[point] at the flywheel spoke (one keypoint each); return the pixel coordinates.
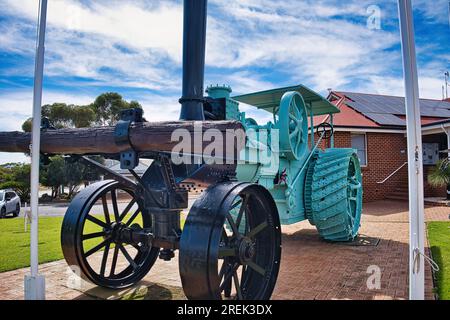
(242, 210)
(96, 248)
(236, 204)
(237, 285)
(257, 229)
(92, 235)
(228, 276)
(105, 209)
(127, 208)
(114, 261)
(127, 256)
(257, 268)
(97, 221)
(114, 202)
(226, 252)
(233, 226)
(135, 214)
(294, 133)
(104, 259)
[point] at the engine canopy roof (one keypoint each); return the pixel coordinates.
(269, 100)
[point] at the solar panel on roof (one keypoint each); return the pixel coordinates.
(378, 104)
(386, 119)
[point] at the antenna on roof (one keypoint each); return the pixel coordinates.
(446, 76)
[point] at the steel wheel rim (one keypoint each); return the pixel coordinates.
(224, 267)
(138, 266)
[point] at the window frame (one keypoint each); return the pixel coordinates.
(365, 146)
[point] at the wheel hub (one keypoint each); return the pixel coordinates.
(114, 232)
(246, 250)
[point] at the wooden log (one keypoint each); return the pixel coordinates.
(144, 137)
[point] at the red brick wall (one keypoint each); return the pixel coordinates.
(385, 153)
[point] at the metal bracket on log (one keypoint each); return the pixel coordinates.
(129, 158)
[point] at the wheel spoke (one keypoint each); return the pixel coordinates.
(294, 133)
(227, 277)
(114, 202)
(257, 268)
(97, 221)
(92, 235)
(114, 261)
(233, 226)
(225, 236)
(127, 256)
(223, 269)
(105, 209)
(127, 208)
(257, 229)
(242, 210)
(135, 214)
(226, 252)
(104, 259)
(236, 204)
(237, 285)
(96, 248)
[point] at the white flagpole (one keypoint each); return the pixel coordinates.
(35, 283)
(415, 163)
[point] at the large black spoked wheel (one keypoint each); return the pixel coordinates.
(94, 236)
(231, 244)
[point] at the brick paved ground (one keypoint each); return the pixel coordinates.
(310, 268)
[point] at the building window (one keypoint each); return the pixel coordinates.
(359, 142)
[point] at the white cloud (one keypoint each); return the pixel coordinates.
(138, 43)
(128, 22)
(252, 45)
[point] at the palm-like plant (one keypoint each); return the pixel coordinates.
(439, 176)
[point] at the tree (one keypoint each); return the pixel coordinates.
(53, 175)
(83, 116)
(16, 176)
(61, 172)
(62, 115)
(105, 110)
(107, 107)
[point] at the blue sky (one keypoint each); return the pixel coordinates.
(134, 48)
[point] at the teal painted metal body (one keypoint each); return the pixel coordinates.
(323, 186)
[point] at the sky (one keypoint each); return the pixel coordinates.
(135, 48)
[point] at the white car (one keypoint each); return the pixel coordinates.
(9, 203)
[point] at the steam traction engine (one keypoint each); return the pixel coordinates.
(230, 243)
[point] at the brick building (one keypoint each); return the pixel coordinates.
(375, 126)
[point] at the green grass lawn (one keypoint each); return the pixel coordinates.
(439, 237)
(15, 242)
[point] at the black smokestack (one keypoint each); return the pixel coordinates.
(194, 43)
